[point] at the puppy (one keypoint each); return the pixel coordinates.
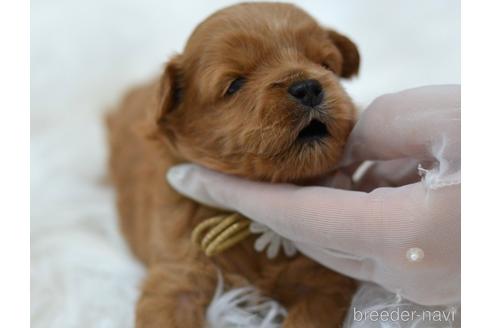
(256, 93)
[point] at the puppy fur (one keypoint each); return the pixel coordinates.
(191, 115)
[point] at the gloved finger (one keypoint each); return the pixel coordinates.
(292, 211)
(420, 123)
(351, 169)
(352, 266)
(392, 173)
(338, 219)
(338, 179)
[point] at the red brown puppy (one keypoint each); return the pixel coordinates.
(255, 93)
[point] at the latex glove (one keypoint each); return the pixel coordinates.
(406, 237)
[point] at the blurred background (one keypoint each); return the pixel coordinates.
(84, 54)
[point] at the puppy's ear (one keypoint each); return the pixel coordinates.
(350, 54)
(170, 89)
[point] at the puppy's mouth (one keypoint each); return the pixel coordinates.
(315, 130)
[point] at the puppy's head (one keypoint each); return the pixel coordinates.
(256, 93)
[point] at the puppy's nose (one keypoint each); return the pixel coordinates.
(307, 92)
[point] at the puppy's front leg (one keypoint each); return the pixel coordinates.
(176, 295)
(317, 310)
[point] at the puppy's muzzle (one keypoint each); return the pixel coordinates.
(307, 92)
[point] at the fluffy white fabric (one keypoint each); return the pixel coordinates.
(271, 241)
(243, 308)
(81, 272)
(85, 53)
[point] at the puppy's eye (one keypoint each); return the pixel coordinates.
(235, 85)
(327, 66)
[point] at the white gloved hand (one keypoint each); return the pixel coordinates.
(402, 231)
